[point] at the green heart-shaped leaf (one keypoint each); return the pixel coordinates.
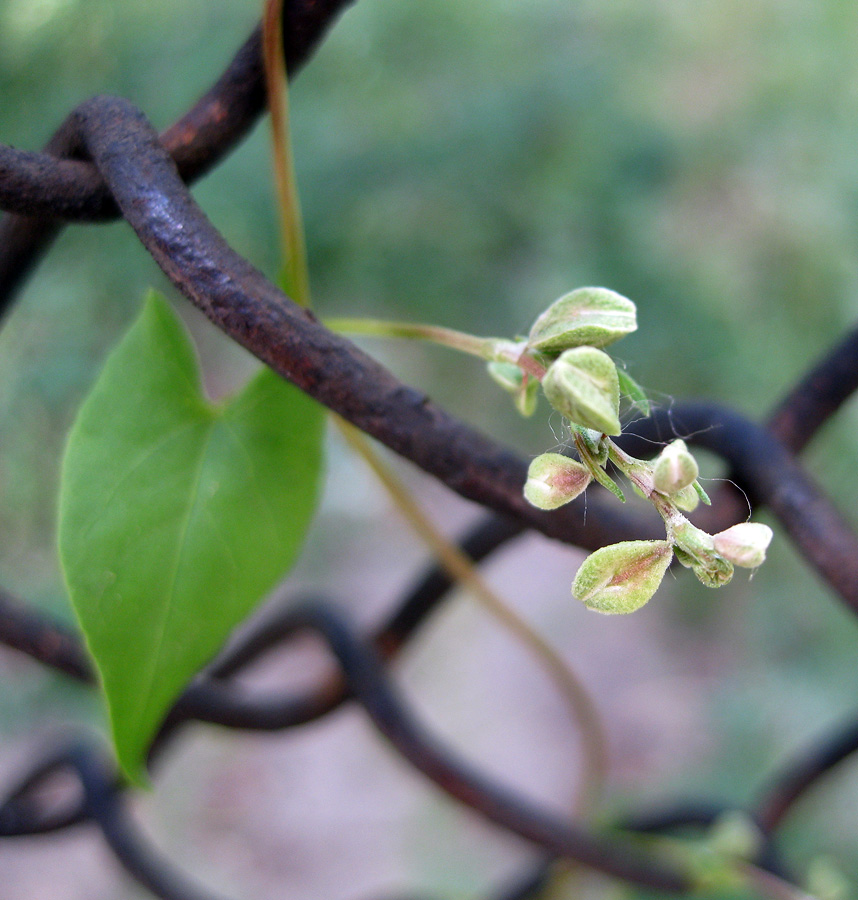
(177, 516)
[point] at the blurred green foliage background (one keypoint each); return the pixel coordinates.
(465, 163)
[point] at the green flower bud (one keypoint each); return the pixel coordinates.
(674, 469)
(590, 316)
(527, 398)
(693, 540)
(595, 444)
(744, 544)
(553, 480)
(714, 572)
(734, 834)
(582, 384)
(683, 558)
(696, 549)
(510, 377)
(507, 375)
(687, 499)
(621, 578)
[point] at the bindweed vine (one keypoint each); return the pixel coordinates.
(564, 354)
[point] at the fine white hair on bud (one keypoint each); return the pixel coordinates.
(744, 544)
(553, 480)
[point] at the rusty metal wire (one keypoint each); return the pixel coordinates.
(71, 190)
(106, 161)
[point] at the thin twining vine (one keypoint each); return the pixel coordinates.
(564, 354)
(296, 283)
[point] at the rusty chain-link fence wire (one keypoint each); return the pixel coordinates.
(106, 161)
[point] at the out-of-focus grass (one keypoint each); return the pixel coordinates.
(465, 163)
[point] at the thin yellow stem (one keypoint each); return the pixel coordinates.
(462, 570)
(456, 563)
(295, 277)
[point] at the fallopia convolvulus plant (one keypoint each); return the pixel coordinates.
(564, 354)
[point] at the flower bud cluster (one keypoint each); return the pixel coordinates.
(582, 382)
(622, 577)
(564, 351)
(695, 549)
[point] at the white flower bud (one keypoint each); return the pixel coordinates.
(674, 469)
(590, 316)
(553, 480)
(621, 578)
(744, 544)
(582, 384)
